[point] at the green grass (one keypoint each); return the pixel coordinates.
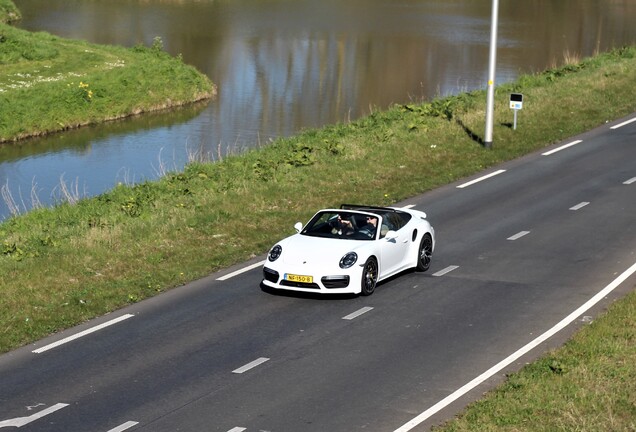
(8, 11)
(49, 84)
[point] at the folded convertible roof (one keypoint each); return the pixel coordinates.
(366, 207)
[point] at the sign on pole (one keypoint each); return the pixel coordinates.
(516, 103)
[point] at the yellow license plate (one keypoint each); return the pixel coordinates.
(298, 278)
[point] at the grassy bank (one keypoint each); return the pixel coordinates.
(64, 265)
(49, 84)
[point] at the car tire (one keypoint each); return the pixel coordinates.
(369, 277)
(425, 253)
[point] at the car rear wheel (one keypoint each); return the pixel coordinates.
(369, 277)
(425, 254)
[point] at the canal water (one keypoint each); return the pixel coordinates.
(286, 65)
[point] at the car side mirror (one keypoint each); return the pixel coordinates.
(391, 235)
(298, 227)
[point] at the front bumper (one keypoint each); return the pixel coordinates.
(334, 284)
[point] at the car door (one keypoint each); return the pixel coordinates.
(393, 250)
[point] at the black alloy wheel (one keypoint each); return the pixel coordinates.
(369, 277)
(425, 254)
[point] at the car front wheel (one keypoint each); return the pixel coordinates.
(369, 277)
(425, 254)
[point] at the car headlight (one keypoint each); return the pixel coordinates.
(274, 253)
(348, 260)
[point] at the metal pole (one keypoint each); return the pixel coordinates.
(490, 102)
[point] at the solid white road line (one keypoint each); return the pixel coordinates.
(240, 271)
(81, 334)
(516, 355)
(250, 365)
(487, 176)
(518, 235)
(357, 313)
(623, 124)
(124, 426)
(630, 181)
(237, 429)
(446, 270)
(563, 147)
(21, 421)
(579, 206)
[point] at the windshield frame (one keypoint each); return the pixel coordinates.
(328, 224)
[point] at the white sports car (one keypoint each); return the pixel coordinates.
(350, 249)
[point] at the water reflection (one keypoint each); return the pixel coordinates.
(284, 65)
(83, 159)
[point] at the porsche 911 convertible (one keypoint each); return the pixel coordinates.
(350, 250)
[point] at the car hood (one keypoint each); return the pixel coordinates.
(300, 249)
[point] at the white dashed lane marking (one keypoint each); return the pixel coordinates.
(81, 334)
(446, 270)
(579, 206)
(125, 426)
(250, 365)
(518, 235)
(623, 124)
(477, 180)
(357, 313)
(240, 271)
(563, 147)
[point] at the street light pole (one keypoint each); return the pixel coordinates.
(490, 100)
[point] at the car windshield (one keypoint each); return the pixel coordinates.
(342, 225)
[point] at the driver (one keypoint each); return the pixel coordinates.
(370, 227)
(343, 226)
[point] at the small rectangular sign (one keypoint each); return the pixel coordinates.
(516, 101)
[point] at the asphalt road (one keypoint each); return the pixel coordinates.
(520, 248)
